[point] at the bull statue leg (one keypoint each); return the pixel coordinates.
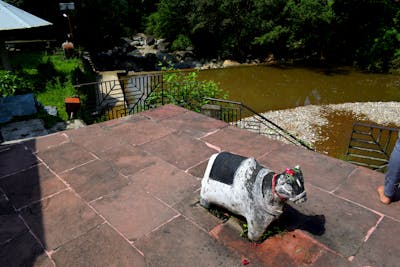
(256, 226)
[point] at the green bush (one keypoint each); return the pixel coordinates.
(181, 43)
(12, 83)
(185, 90)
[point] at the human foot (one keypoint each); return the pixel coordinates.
(384, 199)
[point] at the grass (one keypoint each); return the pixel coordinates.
(55, 95)
(51, 78)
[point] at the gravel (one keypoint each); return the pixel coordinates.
(306, 122)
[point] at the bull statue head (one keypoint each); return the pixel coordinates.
(289, 185)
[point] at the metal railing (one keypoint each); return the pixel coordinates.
(122, 97)
(371, 145)
(245, 117)
(117, 98)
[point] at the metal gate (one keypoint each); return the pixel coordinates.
(371, 145)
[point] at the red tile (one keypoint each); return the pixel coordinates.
(23, 251)
(139, 131)
(46, 142)
(31, 185)
(191, 209)
(338, 224)
(163, 112)
(101, 246)
(14, 158)
(128, 159)
(180, 150)
(166, 182)
(193, 123)
(382, 247)
(93, 138)
(198, 170)
(181, 243)
(361, 188)
(11, 224)
(286, 249)
(94, 179)
(133, 212)
(60, 219)
(65, 157)
(242, 142)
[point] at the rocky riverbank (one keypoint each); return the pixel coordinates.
(145, 53)
(317, 124)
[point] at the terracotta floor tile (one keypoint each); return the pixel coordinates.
(164, 112)
(60, 218)
(190, 208)
(133, 212)
(180, 150)
(166, 182)
(128, 159)
(137, 133)
(382, 247)
(65, 157)
(46, 142)
(23, 251)
(11, 225)
(94, 139)
(14, 158)
(101, 246)
(195, 124)
(242, 142)
(180, 243)
(286, 249)
(338, 224)
(31, 185)
(361, 188)
(94, 179)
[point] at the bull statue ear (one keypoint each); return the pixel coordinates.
(297, 167)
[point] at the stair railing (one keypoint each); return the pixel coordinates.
(234, 112)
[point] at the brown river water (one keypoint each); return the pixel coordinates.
(266, 88)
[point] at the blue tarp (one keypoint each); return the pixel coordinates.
(19, 105)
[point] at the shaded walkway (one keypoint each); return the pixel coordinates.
(125, 193)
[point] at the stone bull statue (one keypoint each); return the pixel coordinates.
(246, 188)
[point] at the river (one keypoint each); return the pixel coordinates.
(265, 87)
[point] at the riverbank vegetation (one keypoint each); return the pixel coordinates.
(360, 33)
(364, 33)
(50, 78)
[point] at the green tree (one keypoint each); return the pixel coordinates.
(170, 19)
(300, 29)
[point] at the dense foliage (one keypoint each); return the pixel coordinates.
(361, 32)
(49, 77)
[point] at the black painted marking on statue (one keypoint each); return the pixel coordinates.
(225, 166)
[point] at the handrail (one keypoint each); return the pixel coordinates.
(371, 145)
(286, 135)
(146, 87)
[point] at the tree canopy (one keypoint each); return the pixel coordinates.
(361, 32)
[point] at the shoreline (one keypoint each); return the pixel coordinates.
(309, 122)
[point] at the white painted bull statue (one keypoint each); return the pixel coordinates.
(246, 188)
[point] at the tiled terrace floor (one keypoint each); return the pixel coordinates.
(125, 193)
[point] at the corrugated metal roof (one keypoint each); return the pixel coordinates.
(12, 18)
